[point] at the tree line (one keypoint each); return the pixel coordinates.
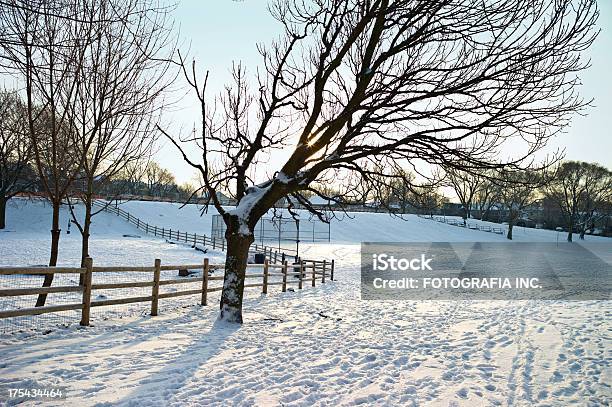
(573, 195)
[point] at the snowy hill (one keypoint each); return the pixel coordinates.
(114, 241)
(352, 228)
(26, 240)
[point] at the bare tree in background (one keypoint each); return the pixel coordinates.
(579, 188)
(597, 196)
(466, 185)
(119, 97)
(353, 88)
(517, 191)
(487, 197)
(428, 199)
(159, 180)
(15, 150)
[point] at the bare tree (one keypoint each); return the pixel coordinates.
(579, 188)
(43, 45)
(597, 196)
(354, 87)
(121, 81)
(15, 150)
(159, 180)
(466, 185)
(487, 196)
(518, 191)
(428, 199)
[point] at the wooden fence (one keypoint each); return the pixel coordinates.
(460, 223)
(274, 254)
(306, 272)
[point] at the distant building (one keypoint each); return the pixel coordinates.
(221, 197)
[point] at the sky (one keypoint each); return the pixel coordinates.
(218, 32)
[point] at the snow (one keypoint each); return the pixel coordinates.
(317, 200)
(26, 240)
(321, 346)
(243, 209)
(352, 228)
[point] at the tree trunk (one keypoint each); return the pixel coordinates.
(55, 236)
(570, 231)
(235, 268)
(2, 212)
(85, 240)
(86, 228)
(510, 226)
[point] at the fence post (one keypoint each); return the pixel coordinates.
(301, 274)
(155, 231)
(331, 276)
(155, 293)
(86, 292)
(324, 271)
(128, 217)
(284, 275)
(205, 283)
(264, 289)
(214, 239)
(137, 223)
(314, 273)
(146, 228)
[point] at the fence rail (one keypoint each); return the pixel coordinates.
(473, 226)
(303, 272)
(275, 255)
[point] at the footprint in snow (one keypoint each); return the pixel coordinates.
(463, 393)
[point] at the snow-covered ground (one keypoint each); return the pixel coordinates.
(27, 237)
(346, 228)
(322, 346)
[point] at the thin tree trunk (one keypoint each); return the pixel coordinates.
(55, 236)
(2, 212)
(235, 268)
(85, 238)
(510, 226)
(86, 227)
(570, 231)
